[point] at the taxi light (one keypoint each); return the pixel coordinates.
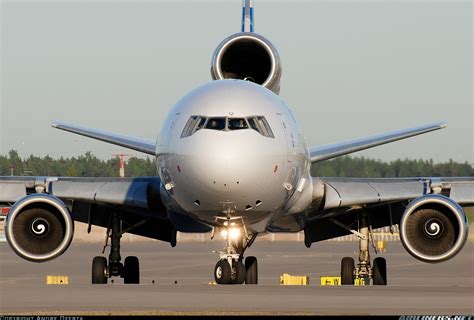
(234, 233)
(224, 233)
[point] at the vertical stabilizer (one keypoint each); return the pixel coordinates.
(247, 16)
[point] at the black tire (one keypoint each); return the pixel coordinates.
(379, 272)
(131, 270)
(347, 271)
(239, 271)
(222, 272)
(99, 270)
(251, 270)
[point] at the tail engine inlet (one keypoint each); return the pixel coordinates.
(247, 56)
(39, 227)
(433, 228)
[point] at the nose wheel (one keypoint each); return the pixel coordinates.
(230, 269)
(251, 270)
(238, 273)
(102, 269)
(222, 272)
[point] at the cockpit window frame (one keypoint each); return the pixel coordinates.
(237, 128)
(255, 122)
(261, 126)
(192, 124)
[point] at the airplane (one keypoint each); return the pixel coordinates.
(231, 159)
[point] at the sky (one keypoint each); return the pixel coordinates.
(350, 69)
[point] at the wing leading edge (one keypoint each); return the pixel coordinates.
(138, 144)
(334, 150)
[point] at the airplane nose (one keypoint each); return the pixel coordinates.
(225, 165)
(221, 168)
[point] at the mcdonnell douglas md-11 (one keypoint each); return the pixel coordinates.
(231, 159)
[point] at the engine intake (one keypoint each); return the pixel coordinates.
(247, 56)
(39, 227)
(433, 228)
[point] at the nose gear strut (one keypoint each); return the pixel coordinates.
(230, 268)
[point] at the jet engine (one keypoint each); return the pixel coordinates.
(39, 227)
(433, 228)
(247, 56)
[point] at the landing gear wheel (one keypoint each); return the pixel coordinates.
(251, 270)
(222, 272)
(131, 270)
(99, 270)
(239, 273)
(347, 271)
(379, 272)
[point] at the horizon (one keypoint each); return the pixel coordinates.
(144, 157)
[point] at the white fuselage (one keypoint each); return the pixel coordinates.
(228, 172)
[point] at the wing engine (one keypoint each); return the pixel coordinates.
(39, 227)
(433, 228)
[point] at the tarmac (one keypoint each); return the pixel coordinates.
(175, 281)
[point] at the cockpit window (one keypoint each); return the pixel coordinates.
(216, 123)
(257, 123)
(237, 124)
(194, 124)
(260, 124)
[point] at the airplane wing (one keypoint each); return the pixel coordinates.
(338, 201)
(334, 150)
(138, 144)
(93, 200)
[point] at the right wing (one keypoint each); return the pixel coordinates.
(93, 200)
(138, 144)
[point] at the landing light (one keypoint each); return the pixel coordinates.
(234, 233)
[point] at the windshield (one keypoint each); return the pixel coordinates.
(257, 123)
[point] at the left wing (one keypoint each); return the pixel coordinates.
(334, 150)
(430, 212)
(356, 192)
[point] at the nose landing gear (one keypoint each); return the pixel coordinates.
(230, 268)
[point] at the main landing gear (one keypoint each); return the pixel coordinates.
(230, 269)
(102, 271)
(364, 270)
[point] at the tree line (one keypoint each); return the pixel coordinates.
(88, 165)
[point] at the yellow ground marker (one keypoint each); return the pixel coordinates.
(336, 281)
(381, 245)
(286, 279)
(330, 281)
(57, 280)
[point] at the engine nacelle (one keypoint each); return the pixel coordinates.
(433, 228)
(39, 227)
(247, 56)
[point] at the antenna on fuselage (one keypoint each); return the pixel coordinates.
(247, 16)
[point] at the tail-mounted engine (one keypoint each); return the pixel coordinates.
(247, 56)
(433, 228)
(39, 227)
